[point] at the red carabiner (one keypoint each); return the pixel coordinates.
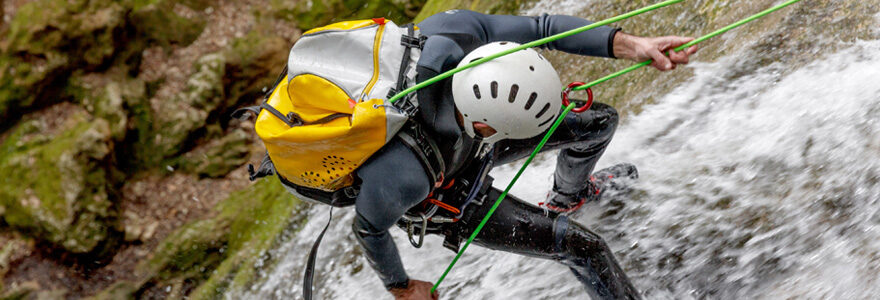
(581, 109)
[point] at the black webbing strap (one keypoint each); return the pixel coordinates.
(410, 40)
(241, 112)
(267, 168)
(309, 276)
(426, 149)
(279, 115)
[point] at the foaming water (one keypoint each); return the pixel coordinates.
(763, 186)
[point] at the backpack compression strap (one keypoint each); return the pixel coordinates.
(410, 41)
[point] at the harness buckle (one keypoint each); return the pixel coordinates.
(351, 192)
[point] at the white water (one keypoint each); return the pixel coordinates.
(762, 186)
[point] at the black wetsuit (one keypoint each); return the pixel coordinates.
(393, 180)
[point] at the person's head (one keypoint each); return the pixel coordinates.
(516, 96)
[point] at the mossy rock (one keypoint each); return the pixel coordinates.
(489, 7)
(177, 121)
(59, 191)
(233, 243)
(253, 63)
(218, 157)
(156, 21)
(314, 13)
(47, 40)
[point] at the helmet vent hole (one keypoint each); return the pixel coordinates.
(475, 59)
(532, 68)
(503, 43)
(494, 89)
(477, 91)
(531, 101)
(547, 121)
(513, 90)
(543, 110)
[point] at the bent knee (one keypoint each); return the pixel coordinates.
(573, 240)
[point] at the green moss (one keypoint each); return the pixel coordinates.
(157, 21)
(433, 7)
(118, 291)
(253, 63)
(218, 157)
(176, 121)
(48, 38)
(59, 193)
(314, 13)
(19, 294)
(247, 224)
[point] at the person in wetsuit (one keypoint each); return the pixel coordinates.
(388, 191)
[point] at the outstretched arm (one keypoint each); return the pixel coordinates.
(482, 29)
(602, 41)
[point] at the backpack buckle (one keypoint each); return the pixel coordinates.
(413, 41)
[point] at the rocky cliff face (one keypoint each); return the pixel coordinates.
(122, 172)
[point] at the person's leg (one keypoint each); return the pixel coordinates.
(393, 181)
(521, 228)
(582, 137)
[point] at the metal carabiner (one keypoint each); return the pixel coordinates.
(409, 231)
(568, 89)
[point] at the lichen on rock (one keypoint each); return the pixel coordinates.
(47, 40)
(59, 191)
(232, 243)
(178, 118)
(218, 157)
(313, 13)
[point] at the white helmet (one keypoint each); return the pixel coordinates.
(519, 94)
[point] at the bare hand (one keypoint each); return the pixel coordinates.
(640, 49)
(417, 290)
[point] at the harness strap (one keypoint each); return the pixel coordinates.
(267, 168)
(426, 149)
(309, 276)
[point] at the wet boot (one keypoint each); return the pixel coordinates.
(609, 179)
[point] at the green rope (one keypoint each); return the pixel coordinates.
(504, 194)
(691, 43)
(552, 128)
(570, 106)
(535, 43)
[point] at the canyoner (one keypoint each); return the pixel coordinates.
(366, 114)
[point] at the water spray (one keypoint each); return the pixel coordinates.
(573, 87)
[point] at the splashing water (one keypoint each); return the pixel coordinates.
(761, 186)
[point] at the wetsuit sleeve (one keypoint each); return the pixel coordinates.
(520, 29)
(393, 181)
